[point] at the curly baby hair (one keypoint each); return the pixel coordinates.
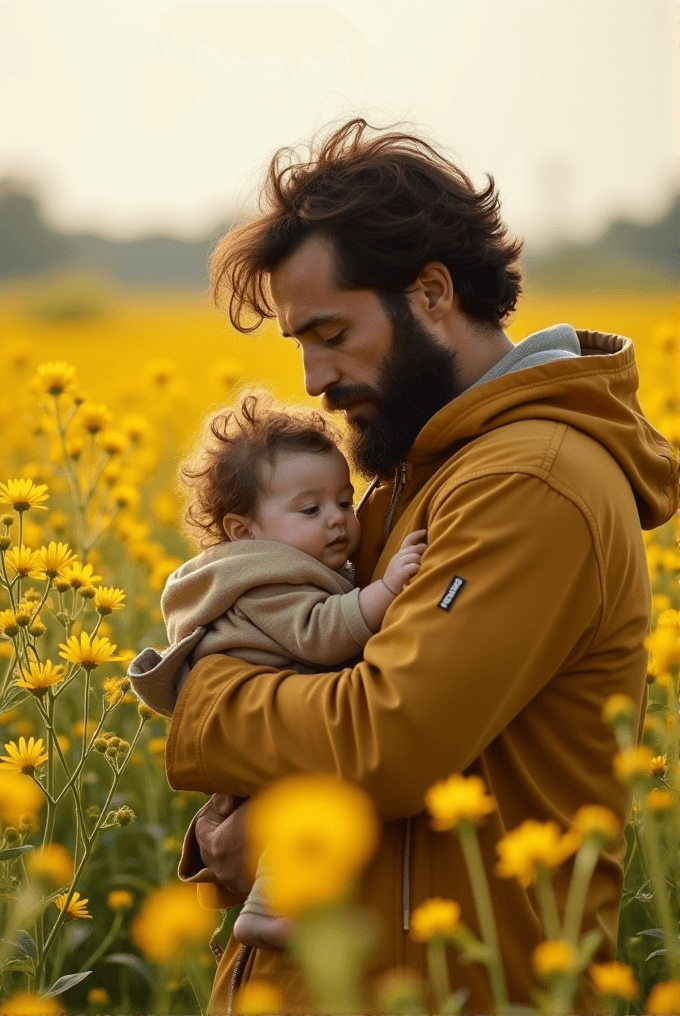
(224, 472)
(389, 205)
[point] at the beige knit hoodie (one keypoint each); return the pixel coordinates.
(259, 600)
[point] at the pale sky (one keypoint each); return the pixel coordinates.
(140, 115)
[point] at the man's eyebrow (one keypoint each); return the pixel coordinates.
(313, 322)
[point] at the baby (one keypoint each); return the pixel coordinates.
(270, 494)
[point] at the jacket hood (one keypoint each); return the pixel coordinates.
(585, 379)
(208, 585)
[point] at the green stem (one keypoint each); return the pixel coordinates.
(662, 904)
(105, 943)
(547, 903)
(438, 971)
(582, 873)
(485, 916)
(196, 980)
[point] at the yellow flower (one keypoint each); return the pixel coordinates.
(318, 832)
(27, 1003)
(167, 919)
(137, 428)
(113, 690)
(530, 844)
(8, 623)
(619, 708)
(55, 558)
(64, 742)
(25, 562)
(113, 441)
(78, 728)
(615, 980)
(77, 906)
(124, 496)
(257, 997)
(93, 418)
(435, 918)
(160, 371)
(458, 799)
(53, 861)
(156, 745)
(25, 758)
(120, 899)
(161, 571)
(108, 599)
(79, 575)
(659, 801)
(552, 958)
(632, 764)
(98, 996)
(58, 521)
(664, 998)
(19, 795)
(598, 822)
(657, 767)
(40, 677)
(88, 653)
(23, 494)
(55, 378)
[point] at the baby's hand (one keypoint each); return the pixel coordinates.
(406, 561)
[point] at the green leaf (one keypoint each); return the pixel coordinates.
(64, 983)
(132, 962)
(11, 852)
(22, 963)
(25, 942)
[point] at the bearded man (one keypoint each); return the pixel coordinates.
(533, 470)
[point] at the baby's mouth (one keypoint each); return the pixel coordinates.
(340, 542)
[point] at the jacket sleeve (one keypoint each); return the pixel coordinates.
(436, 685)
(307, 622)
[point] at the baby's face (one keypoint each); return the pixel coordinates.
(307, 503)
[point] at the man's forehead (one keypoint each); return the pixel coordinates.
(303, 289)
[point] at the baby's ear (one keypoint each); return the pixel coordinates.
(236, 528)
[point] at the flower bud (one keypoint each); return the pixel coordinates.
(145, 712)
(11, 834)
(5, 542)
(87, 592)
(111, 753)
(123, 747)
(101, 744)
(94, 811)
(23, 617)
(114, 741)
(37, 628)
(61, 584)
(7, 520)
(124, 815)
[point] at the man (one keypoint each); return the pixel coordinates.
(532, 469)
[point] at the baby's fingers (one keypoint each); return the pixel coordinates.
(414, 537)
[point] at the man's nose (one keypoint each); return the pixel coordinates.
(320, 373)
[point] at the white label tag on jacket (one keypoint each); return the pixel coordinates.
(451, 593)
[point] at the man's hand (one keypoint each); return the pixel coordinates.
(221, 835)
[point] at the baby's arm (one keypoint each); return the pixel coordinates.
(376, 598)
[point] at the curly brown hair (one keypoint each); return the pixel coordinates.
(223, 474)
(389, 205)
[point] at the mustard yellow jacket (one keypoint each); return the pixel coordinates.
(529, 610)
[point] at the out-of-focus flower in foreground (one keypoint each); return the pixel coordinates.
(458, 799)
(553, 958)
(167, 919)
(593, 820)
(531, 844)
(53, 861)
(435, 918)
(27, 1003)
(19, 795)
(257, 997)
(23, 758)
(614, 981)
(120, 899)
(664, 998)
(318, 832)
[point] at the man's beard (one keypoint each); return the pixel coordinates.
(417, 378)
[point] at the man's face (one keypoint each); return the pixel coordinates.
(384, 369)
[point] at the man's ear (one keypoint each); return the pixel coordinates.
(236, 527)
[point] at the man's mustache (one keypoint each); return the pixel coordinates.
(340, 398)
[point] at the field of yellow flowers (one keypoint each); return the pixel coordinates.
(101, 396)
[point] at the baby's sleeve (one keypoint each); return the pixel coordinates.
(307, 622)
